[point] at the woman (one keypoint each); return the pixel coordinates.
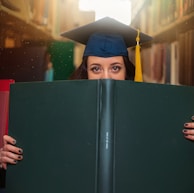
(92, 67)
(105, 57)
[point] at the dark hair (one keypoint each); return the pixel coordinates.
(81, 71)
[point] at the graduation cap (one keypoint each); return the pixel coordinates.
(106, 37)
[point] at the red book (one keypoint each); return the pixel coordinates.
(4, 107)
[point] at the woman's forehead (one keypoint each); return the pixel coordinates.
(101, 60)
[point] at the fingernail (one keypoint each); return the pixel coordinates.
(20, 157)
(14, 142)
(20, 151)
(186, 124)
(192, 117)
(184, 130)
(15, 161)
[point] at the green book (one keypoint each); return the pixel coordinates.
(101, 136)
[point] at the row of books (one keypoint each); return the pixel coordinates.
(35, 11)
(36, 14)
(168, 11)
(48, 16)
(169, 60)
(155, 15)
(170, 63)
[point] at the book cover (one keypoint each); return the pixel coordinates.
(101, 136)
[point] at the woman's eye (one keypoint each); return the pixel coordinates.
(95, 69)
(116, 68)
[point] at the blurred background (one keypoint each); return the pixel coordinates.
(31, 48)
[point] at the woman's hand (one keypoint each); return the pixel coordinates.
(9, 153)
(188, 131)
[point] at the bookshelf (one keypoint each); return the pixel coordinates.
(27, 25)
(17, 24)
(14, 25)
(41, 21)
(170, 23)
(180, 25)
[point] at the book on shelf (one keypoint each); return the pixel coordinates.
(4, 117)
(158, 62)
(174, 68)
(186, 58)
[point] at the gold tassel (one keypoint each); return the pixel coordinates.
(138, 69)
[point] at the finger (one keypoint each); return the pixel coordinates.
(13, 149)
(8, 139)
(189, 125)
(188, 131)
(4, 166)
(9, 156)
(190, 137)
(6, 160)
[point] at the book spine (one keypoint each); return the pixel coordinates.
(106, 138)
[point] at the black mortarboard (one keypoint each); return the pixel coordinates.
(106, 37)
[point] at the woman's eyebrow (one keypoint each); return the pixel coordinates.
(94, 64)
(116, 63)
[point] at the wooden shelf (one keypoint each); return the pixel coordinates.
(19, 23)
(170, 30)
